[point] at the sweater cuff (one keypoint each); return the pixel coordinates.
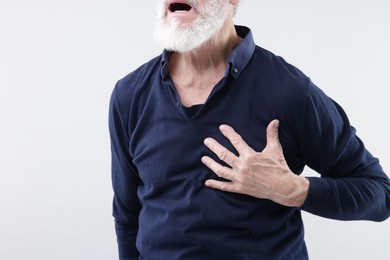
(318, 190)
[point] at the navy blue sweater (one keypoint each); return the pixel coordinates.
(161, 206)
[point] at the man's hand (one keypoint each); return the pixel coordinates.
(264, 175)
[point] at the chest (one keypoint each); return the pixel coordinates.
(195, 90)
(167, 146)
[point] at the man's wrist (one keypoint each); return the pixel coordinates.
(302, 189)
(299, 189)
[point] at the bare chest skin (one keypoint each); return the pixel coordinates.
(195, 88)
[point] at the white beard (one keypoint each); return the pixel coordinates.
(174, 37)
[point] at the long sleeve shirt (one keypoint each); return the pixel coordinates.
(161, 206)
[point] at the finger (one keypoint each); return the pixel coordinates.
(235, 139)
(222, 152)
(219, 170)
(273, 134)
(220, 185)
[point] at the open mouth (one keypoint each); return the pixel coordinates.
(179, 7)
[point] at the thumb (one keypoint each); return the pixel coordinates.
(273, 134)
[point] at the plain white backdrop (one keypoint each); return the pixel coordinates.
(59, 61)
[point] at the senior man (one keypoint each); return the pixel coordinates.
(209, 140)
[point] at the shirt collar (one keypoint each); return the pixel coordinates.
(238, 59)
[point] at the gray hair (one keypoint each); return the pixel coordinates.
(235, 9)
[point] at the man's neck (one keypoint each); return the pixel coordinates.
(195, 73)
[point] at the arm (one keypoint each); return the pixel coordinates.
(125, 181)
(353, 185)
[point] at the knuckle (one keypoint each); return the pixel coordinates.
(238, 188)
(234, 188)
(236, 139)
(245, 164)
(252, 157)
(222, 154)
(235, 163)
(243, 168)
(219, 172)
(275, 135)
(223, 187)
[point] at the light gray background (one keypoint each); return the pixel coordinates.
(59, 61)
